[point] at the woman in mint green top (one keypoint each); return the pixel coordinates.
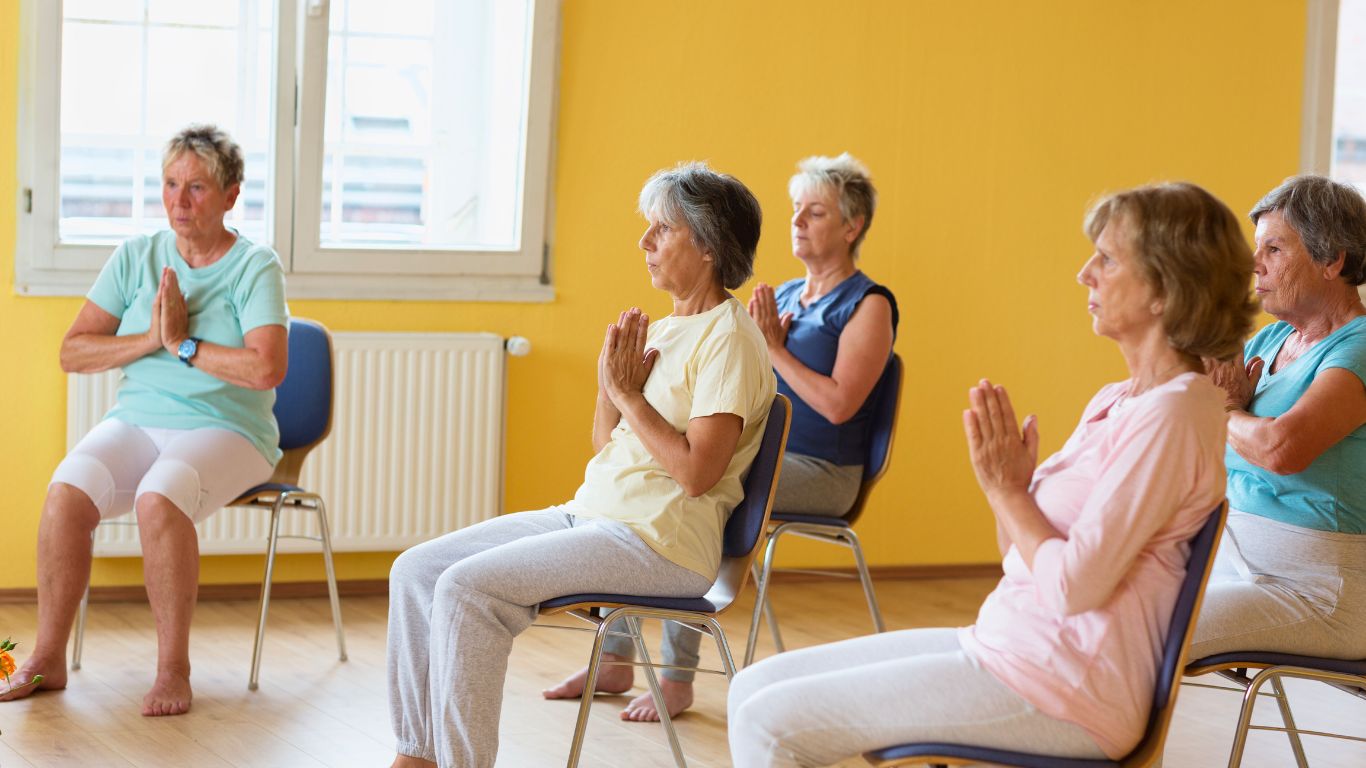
(1291, 570)
(195, 318)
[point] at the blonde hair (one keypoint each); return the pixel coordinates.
(1190, 249)
(222, 157)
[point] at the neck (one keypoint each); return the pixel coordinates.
(1153, 361)
(699, 299)
(822, 276)
(1329, 316)
(205, 250)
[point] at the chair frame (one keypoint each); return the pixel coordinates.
(281, 492)
(1349, 677)
(839, 531)
(602, 612)
(1148, 750)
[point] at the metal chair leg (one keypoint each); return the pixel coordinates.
(590, 684)
(265, 592)
(1289, 720)
(852, 539)
(79, 641)
(761, 604)
(326, 537)
(661, 706)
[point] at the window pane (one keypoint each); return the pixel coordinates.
(404, 167)
(140, 73)
(1349, 103)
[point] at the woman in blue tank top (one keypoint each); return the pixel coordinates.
(830, 337)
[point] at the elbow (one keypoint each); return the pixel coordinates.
(1281, 457)
(695, 485)
(837, 413)
(267, 380)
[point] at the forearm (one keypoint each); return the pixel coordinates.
(96, 352)
(241, 366)
(605, 419)
(670, 448)
(1261, 442)
(822, 393)
(1021, 522)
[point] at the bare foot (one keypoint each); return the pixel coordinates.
(170, 695)
(611, 679)
(677, 697)
(408, 761)
(22, 682)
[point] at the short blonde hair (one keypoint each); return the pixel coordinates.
(1190, 249)
(846, 178)
(222, 157)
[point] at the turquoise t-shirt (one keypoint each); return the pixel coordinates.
(244, 289)
(1331, 494)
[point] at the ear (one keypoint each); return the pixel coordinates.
(853, 227)
(1157, 307)
(1333, 269)
(233, 192)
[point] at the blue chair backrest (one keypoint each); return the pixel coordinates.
(303, 401)
(886, 394)
(747, 521)
(1183, 617)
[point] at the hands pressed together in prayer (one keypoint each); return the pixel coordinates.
(170, 316)
(763, 310)
(1238, 379)
(624, 363)
(1003, 455)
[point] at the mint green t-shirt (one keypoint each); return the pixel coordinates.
(243, 290)
(1330, 494)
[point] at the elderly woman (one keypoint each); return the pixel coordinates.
(1290, 576)
(830, 337)
(195, 317)
(681, 408)
(1064, 653)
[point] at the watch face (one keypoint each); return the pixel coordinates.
(187, 348)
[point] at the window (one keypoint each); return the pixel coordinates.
(394, 148)
(1348, 161)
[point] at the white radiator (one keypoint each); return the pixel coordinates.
(416, 448)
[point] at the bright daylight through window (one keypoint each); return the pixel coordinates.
(1349, 98)
(416, 143)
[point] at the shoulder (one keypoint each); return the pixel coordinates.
(257, 257)
(1188, 402)
(1267, 337)
(140, 246)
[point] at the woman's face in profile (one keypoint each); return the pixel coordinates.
(1121, 301)
(675, 263)
(1287, 279)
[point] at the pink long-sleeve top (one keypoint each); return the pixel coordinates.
(1080, 635)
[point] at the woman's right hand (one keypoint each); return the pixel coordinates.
(763, 309)
(154, 330)
(624, 363)
(1236, 378)
(1003, 455)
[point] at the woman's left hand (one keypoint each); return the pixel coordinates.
(763, 309)
(625, 363)
(1238, 380)
(175, 317)
(1003, 456)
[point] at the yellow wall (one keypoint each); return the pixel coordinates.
(988, 127)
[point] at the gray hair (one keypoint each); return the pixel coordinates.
(722, 214)
(1330, 218)
(222, 157)
(847, 179)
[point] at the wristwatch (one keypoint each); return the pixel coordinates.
(187, 350)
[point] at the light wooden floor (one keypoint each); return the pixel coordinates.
(313, 711)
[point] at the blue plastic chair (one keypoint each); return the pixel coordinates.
(1149, 749)
(303, 409)
(886, 396)
(1346, 675)
(740, 541)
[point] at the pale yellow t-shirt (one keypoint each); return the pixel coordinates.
(713, 362)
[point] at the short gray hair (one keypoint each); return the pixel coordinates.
(722, 214)
(1330, 218)
(222, 157)
(847, 179)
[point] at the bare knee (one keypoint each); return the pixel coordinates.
(69, 504)
(156, 513)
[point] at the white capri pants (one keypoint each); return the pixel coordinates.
(198, 470)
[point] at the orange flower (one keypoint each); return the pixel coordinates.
(7, 665)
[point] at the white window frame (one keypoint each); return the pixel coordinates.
(44, 266)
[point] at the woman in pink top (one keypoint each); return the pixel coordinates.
(1063, 657)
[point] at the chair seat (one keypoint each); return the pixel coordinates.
(793, 517)
(695, 604)
(1262, 659)
(266, 489)
(984, 755)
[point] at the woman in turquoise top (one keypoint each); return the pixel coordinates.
(195, 317)
(1291, 570)
(830, 336)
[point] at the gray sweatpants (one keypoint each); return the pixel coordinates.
(808, 486)
(1282, 588)
(816, 706)
(457, 602)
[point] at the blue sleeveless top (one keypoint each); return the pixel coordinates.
(814, 338)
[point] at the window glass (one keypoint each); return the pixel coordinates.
(1349, 101)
